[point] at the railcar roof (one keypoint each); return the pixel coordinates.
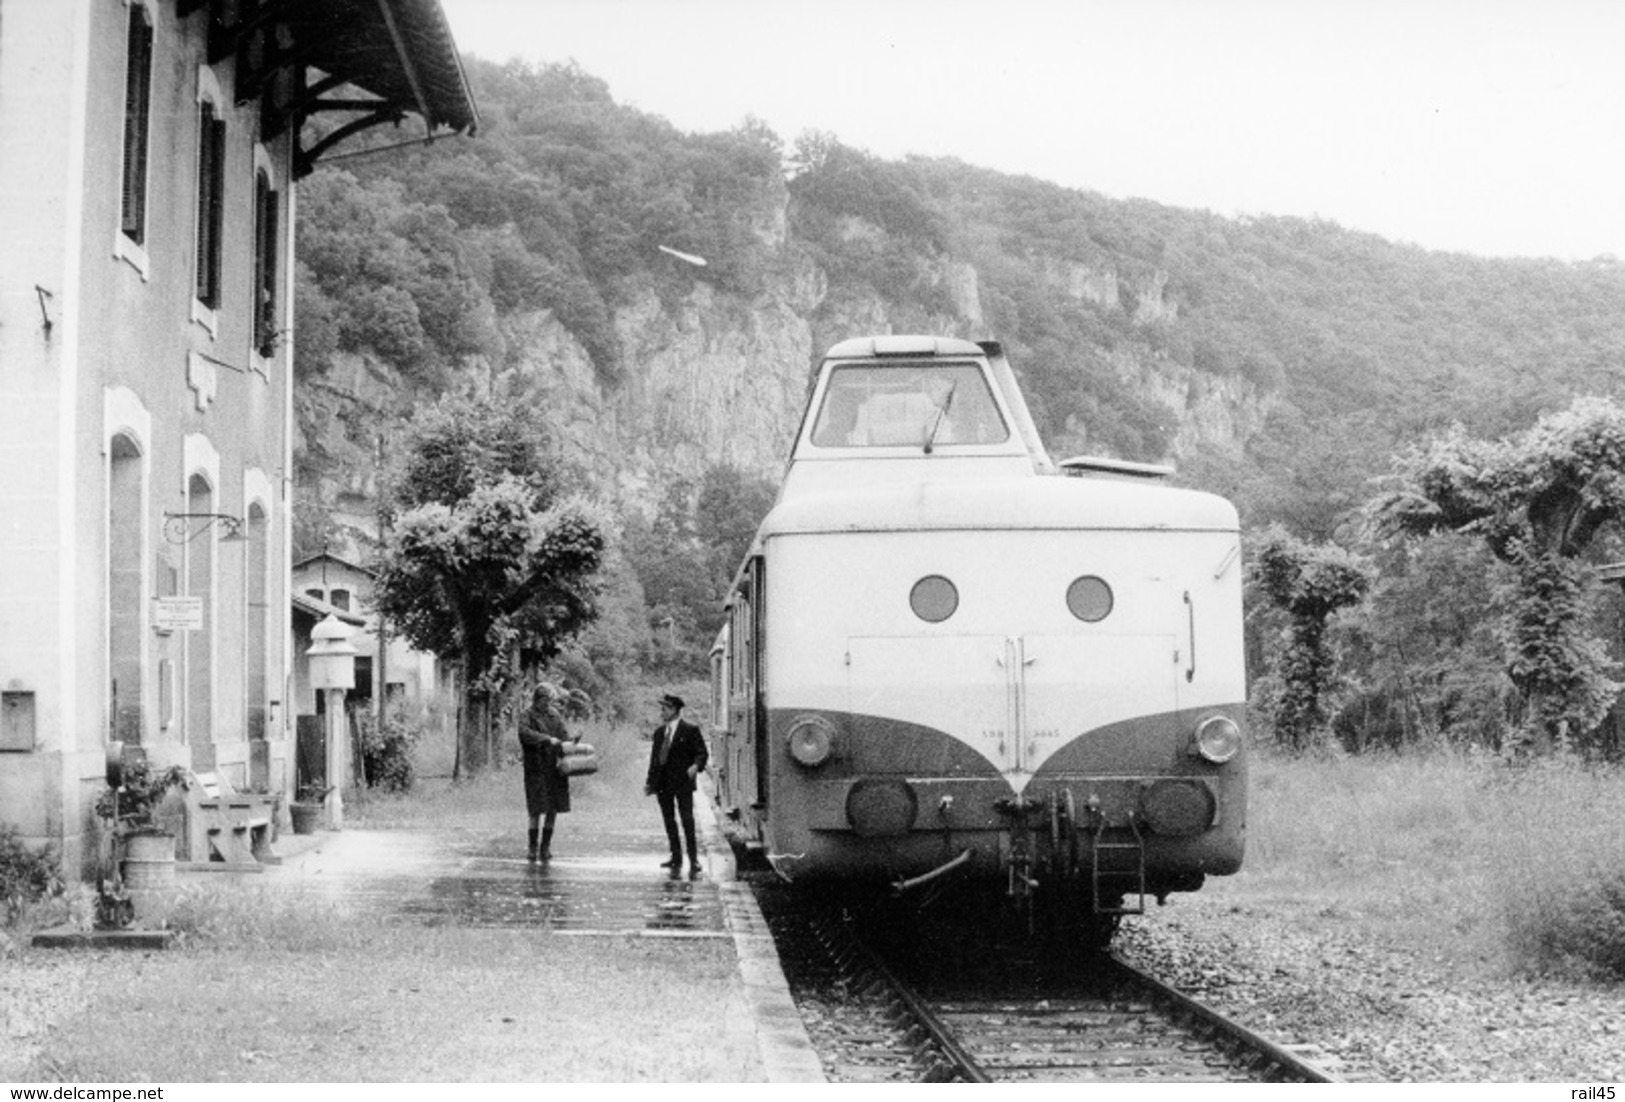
(1031, 503)
(865, 348)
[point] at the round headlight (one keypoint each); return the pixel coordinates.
(1176, 808)
(1218, 739)
(880, 806)
(812, 740)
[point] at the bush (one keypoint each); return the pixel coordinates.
(135, 802)
(386, 751)
(1582, 932)
(27, 875)
(1557, 869)
(1455, 852)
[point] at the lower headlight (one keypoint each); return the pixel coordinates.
(880, 806)
(1177, 808)
(1217, 739)
(812, 740)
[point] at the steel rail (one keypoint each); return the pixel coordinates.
(1299, 1069)
(962, 1065)
(941, 1051)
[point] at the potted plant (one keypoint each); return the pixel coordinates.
(131, 805)
(307, 807)
(143, 848)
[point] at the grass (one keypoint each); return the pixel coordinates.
(269, 986)
(1516, 871)
(408, 1004)
(1475, 862)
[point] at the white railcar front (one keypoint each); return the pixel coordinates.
(945, 653)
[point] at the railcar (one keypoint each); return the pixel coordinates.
(952, 664)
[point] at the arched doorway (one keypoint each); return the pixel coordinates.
(199, 566)
(256, 623)
(124, 576)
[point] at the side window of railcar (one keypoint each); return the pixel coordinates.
(719, 686)
(739, 637)
(908, 405)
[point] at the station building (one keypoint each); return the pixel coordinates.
(149, 156)
(388, 669)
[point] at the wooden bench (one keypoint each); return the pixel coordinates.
(227, 830)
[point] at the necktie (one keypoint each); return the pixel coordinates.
(671, 736)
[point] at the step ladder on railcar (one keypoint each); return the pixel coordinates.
(1134, 849)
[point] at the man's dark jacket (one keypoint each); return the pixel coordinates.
(687, 748)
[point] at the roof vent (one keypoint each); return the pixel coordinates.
(1085, 466)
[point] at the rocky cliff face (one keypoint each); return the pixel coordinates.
(711, 378)
(713, 381)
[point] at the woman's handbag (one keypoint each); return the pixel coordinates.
(578, 759)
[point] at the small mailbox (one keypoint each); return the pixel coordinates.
(332, 655)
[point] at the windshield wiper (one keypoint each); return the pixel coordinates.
(942, 412)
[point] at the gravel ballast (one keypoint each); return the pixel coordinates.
(1369, 1011)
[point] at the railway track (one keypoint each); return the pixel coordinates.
(887, 1004)
(1123, 1024)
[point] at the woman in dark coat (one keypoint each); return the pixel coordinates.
(542, 736)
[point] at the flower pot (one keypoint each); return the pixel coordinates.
(306, 817)
(149, 874)
(149, 859)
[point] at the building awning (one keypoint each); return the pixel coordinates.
(343, 66)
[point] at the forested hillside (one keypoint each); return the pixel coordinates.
(1353, 345)
(1280, 361)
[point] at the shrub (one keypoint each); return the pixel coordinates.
(134, 803)
(1457, 852)
(1582, 932)
(386, 752)
(27, 875)
(1562, 892)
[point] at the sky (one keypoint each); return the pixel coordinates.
(1493, 127)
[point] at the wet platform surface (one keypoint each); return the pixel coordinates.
(605, 884)
(604, 880)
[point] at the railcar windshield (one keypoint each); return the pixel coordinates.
(892, 406)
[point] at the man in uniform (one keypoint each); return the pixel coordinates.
(676, 755)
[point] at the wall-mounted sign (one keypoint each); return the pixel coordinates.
(180, 614)
(17, 721)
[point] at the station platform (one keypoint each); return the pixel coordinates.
(604, 880)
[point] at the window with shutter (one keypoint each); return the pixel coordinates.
(211, 177)
(265, 264)
(137, 115)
